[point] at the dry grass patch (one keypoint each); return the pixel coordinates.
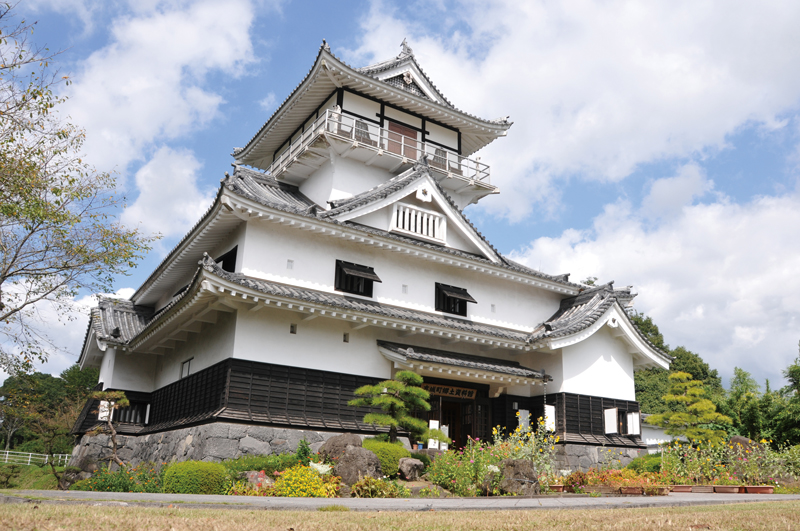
(750, 516)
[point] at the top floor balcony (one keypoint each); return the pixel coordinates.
(392, 148)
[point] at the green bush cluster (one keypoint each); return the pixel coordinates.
(145, 477)
(389, 454)
(370, 487)
(195, 477)
(300, 482)
(646, 463)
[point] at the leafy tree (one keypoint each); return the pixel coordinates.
(698, 410)
(23, 396)
(58, 232)
(52, 428)
(398, 399)
(788, 419)
(652, 384)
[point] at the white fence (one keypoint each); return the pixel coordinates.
(24, 458)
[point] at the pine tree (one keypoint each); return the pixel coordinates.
(398, 399)
(699, 411)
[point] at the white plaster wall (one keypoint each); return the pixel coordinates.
(214, 344)
(441, 135)
(268, 246)
(235, 237)
(361, 106)
(134, 372)
(342, 178)
(400, 116)
(599, 366)
(107, 366)
(318, 344)
(552, 365)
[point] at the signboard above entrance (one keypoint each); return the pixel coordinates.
(446, 390)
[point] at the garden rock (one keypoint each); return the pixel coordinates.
(335, 447)
(357, 463)
(411, 468)
(519, 477)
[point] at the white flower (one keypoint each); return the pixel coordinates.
(321, 468)
(493, 468)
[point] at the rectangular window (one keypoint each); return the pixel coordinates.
(450, 299)
(136, 413)
(228, 260)
(355, 278)
(186, 368)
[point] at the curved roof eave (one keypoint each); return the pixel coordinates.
(241, 155)
(615, 317)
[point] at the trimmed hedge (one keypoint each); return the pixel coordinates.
(195, 477)
(646, 463)
(389, 454)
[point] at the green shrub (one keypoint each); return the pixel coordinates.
(195, 477)
(422, 457)
(646, 463)
(268, 463)
(300, 482)
(388, 453)
(141, 478)
(370, 487)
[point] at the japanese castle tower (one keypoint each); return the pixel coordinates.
(337, 253)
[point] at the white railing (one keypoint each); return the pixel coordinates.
(419, 222)
(25, 458)
(390, 143)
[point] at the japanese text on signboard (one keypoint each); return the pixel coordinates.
(446, 390)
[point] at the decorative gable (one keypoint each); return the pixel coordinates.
(414, 205)
(406, 82)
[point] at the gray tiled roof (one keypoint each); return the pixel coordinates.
(366, 71)
(118, 320)
(251, 184)
(401, 59)
(343, 302)
(583, 310)
(460, 360)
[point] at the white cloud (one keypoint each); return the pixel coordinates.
(669, 195)
(720, 279)
(66, 330)
(169, 201)
(147, 85)
(599, 87)
(269, 102)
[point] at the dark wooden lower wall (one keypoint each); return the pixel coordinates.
(279, 395)
(247, 391)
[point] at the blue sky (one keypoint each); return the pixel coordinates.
(656, 145)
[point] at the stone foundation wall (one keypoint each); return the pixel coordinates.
(583, 456)
(208, 442)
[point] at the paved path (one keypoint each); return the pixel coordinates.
(406, 504)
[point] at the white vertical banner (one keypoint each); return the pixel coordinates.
(433, 443)
(524, 419)
(550, 417)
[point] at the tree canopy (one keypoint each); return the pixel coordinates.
(697, 413)
(58, 228)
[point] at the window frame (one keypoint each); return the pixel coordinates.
(455, 305)
(188, 365)
(361, 283)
